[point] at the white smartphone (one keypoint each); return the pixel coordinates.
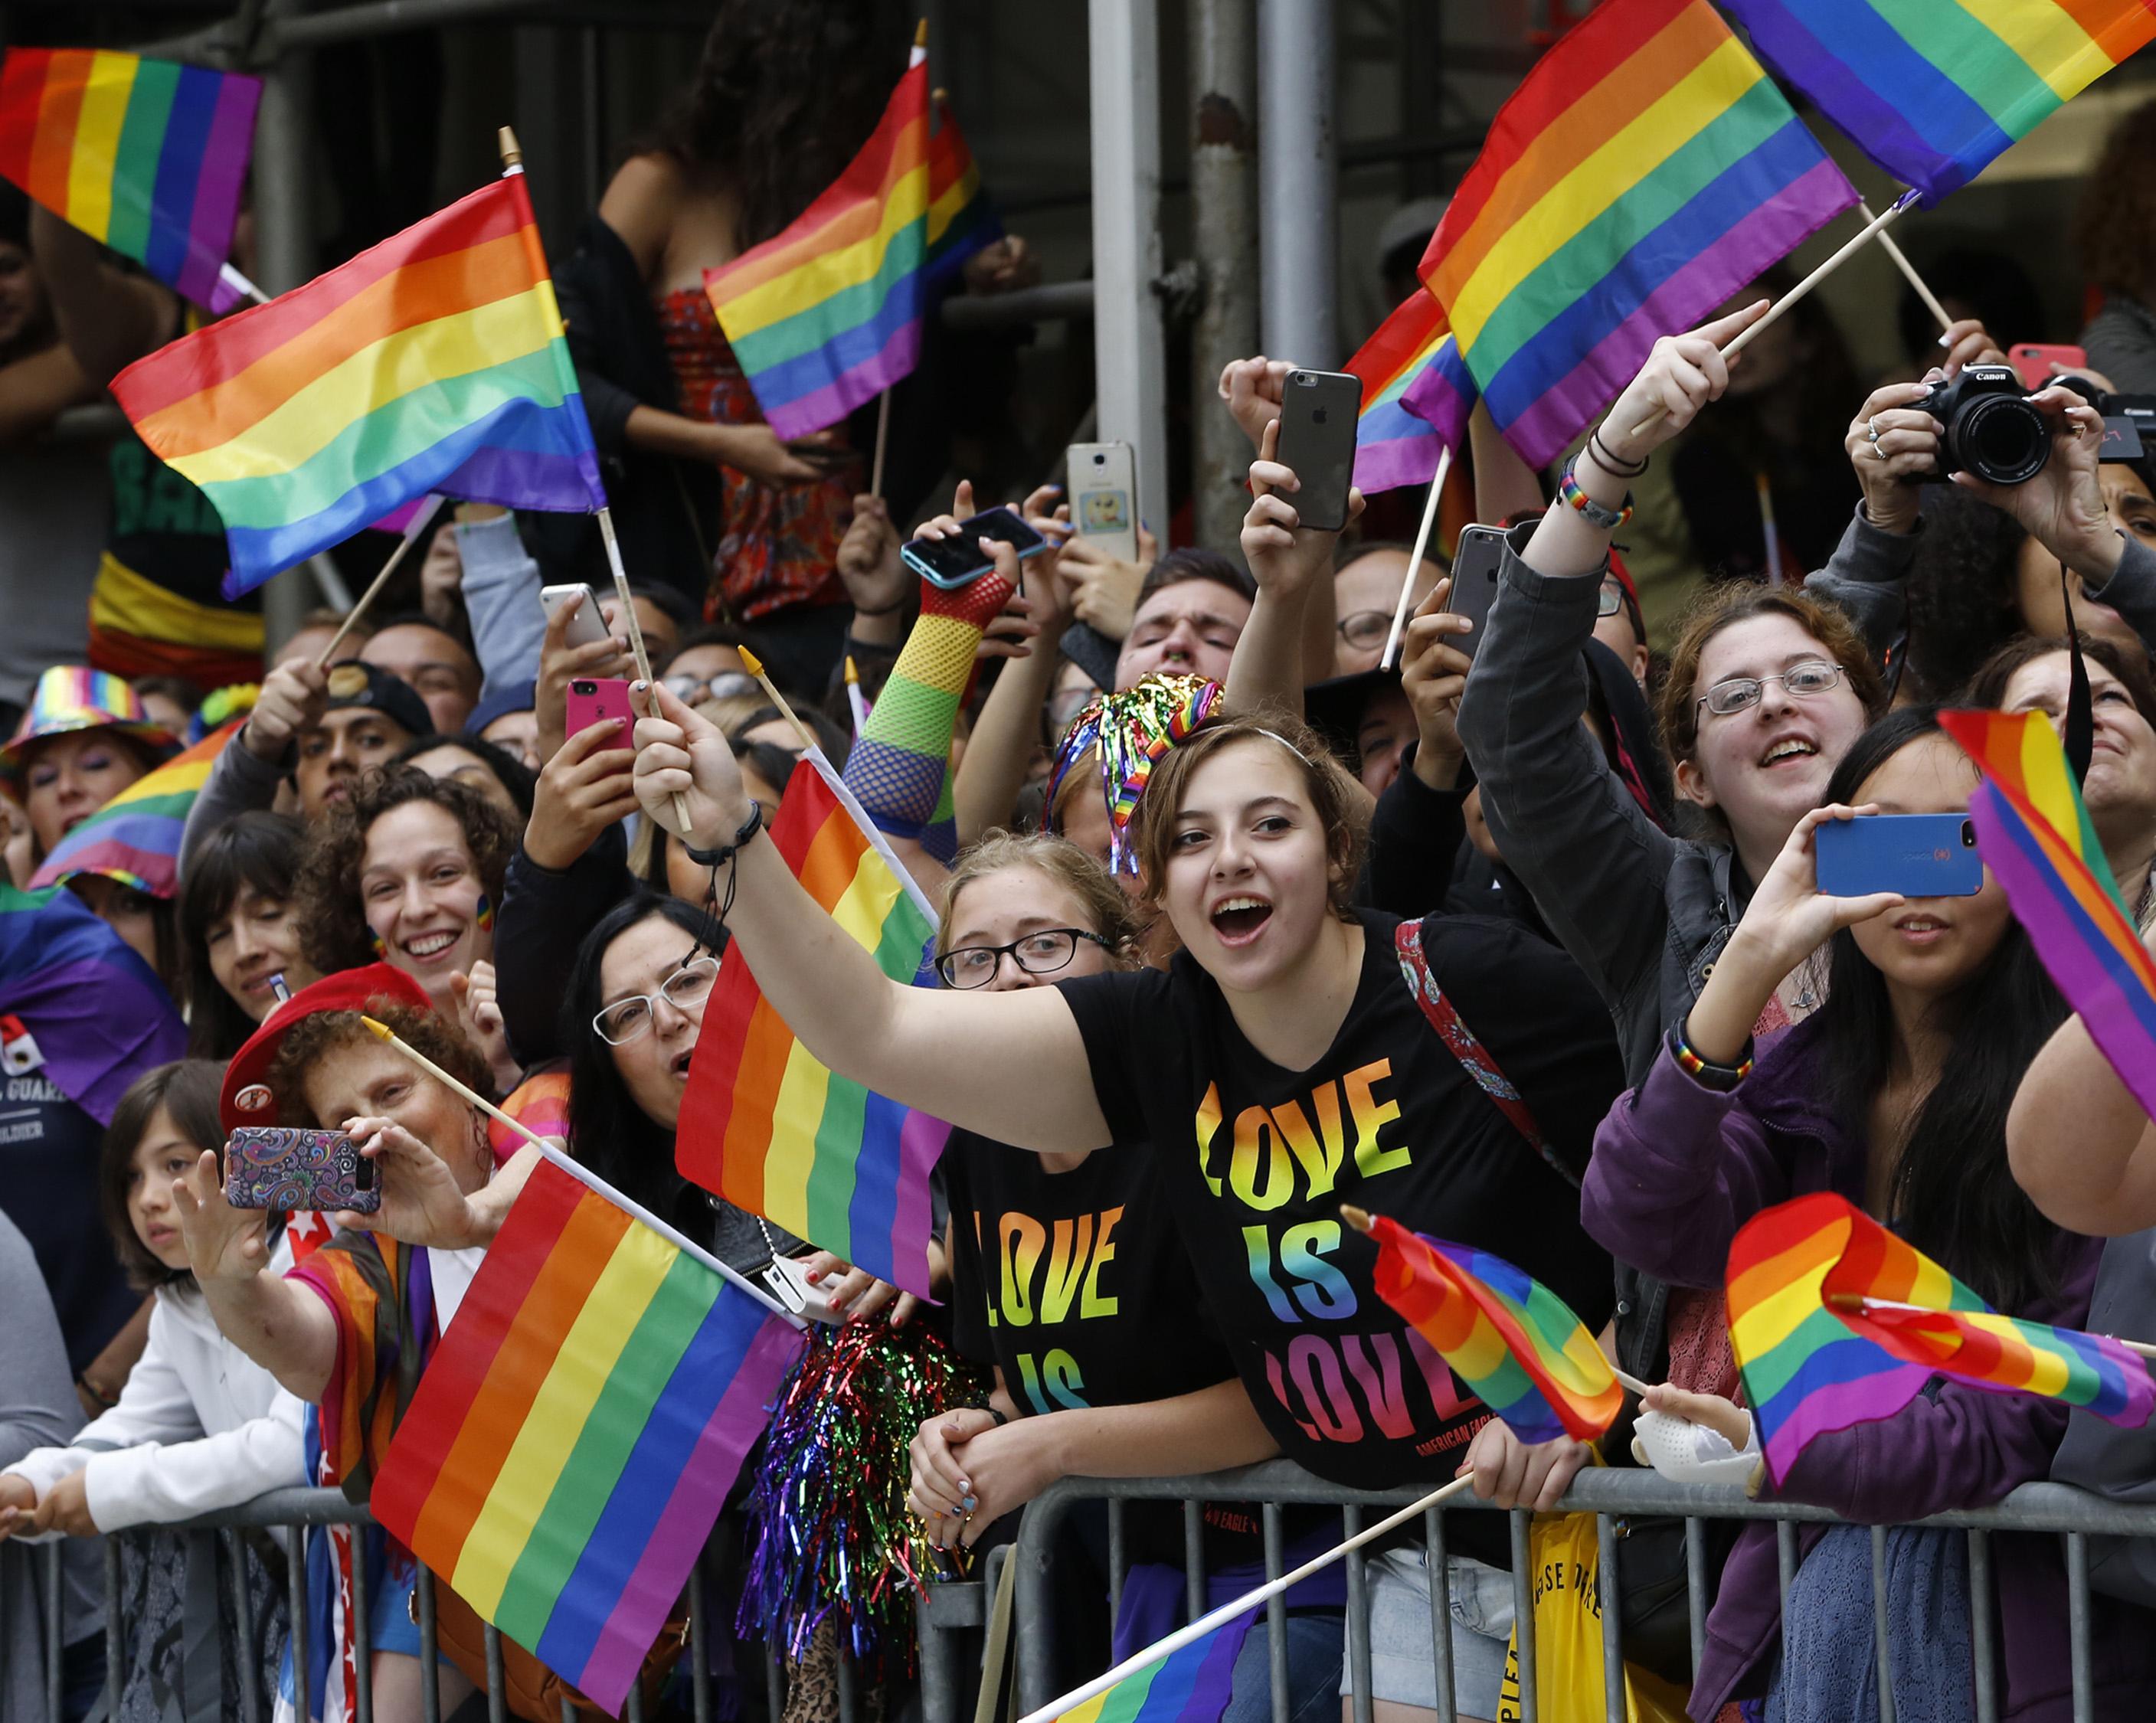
(1103, 496)
(586, 628)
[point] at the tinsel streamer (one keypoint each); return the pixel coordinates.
(1131, 731)
(829, 1534)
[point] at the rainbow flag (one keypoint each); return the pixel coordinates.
(1645, 170)
(135, 838)
(1190, 1686)
(578, 1429)
(764, 1123)
(434, 362)
(145, 156)
(1508, 1337)
(540, 1103)
(826, 315)
(1416, 397)
(2034, 835)
(1933, 91)
(960, 220)
(1836, 1322)
(76, 1001)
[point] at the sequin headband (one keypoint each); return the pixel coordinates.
(1131, 731)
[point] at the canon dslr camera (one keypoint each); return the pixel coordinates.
(1986, 426)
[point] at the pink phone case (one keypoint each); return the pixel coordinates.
(592, 698)
(283, 1168)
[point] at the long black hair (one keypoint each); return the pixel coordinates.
(609, 1132)
(253, 851)
(1953, 1196)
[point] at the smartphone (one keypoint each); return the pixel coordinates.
(2038, 364)
(955, 561)
(594, 698)
(1103, 489)
(1473, 592)
(586, 628)
(281, 1167)
(1318, 410)
(1914, 855)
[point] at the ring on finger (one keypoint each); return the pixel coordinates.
(1871, 430)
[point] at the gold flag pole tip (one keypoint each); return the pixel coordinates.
(1358, 1219)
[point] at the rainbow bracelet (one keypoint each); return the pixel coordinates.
(1608, 519)
(1706, 1071)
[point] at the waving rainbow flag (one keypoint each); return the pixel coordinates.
(2034, 835)
(577, 1429)
(434, 362)
(1933, 92)
(1645, 170)
(1192, 1684)
(1510, 1339)
(768, 1126)
(1836, 1322)
(826, 315)
(1416, 396)
(135, 838)
(145, 156)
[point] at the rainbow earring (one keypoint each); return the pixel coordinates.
(483, 915)
(380, 947)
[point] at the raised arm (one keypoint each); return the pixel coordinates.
(2079, 1143)
(108, 319)
(1293, 565)
(1011, 1066)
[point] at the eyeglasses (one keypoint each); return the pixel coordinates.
(1042, 952)
(1365, 628)
(694, 690)
(1610, 599)
(628, 1020)
(1812, 677)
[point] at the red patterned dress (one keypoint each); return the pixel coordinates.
(778, 543)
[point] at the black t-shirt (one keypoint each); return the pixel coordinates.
(1075, 1284)
(48, 1154)
(1387, 1119)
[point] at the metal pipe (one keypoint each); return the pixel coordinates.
(1224, 231)
(1193, 1558)
(295, 1605)
(2078, 1627)
(1695, 1583)
(1299, 240)
(243, 1619)
(1119, 1560)
(700, 1649)
(1276, 1610)
(430, 1665)
(1437, 1573)
(363, 1638)
(1523, 1614)
(1027, 305)
(1610, 1604)
(1879, 1623)
(1130, 346)
(1359, 1622)
(1982, 1644)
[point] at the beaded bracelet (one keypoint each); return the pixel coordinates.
(1706, 1071)
(1607, 519)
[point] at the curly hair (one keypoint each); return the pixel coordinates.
(1677, 706)
(785, 93)
(334, 930)
(2115, 225)
(1962, 603)
(426, 1032)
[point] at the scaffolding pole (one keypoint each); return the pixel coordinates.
(1223, 218)
(1298, 164)
(1130, 344)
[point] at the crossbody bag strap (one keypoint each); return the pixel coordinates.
(1460, 1041)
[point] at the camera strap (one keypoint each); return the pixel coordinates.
(2080, 738)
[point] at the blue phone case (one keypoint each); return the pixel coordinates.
(951, 562)
(1915, 854)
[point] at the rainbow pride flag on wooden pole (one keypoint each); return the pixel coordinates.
(145, 156)
(1645, 170)
(1933, 91)
(434, 362)
(578, 1427)
(1836, 1322)
(826, 315)
(766, 1124)
(135, 838)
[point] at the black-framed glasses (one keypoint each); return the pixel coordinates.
(630, 1019)
(1364, 629)
(1610, 599)
(1041, 952)
(1814, 676)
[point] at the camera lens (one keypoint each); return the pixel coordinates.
(1968, 834)
(2001, 437)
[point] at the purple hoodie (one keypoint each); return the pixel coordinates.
(1677, 1169)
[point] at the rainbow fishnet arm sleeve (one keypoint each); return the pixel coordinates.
(900, 769)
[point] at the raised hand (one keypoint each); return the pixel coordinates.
(559, 661)
(294, 695)
(1893, 445)
(2062, 506)
(876, 579)
(422, 1202)
(1253, 390)
(1682, 374)
(1283, 554)
(679, 753)
(1433, 676)
(223, 1243)
(584, 788)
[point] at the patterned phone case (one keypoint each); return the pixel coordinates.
(280, 1167)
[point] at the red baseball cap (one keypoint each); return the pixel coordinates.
(245, 1098)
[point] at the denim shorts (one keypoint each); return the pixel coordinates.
(1402, 1667)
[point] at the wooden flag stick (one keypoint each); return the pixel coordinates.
(1227, 1612)
(755, 667)
(591, 1180)
(1857, 1304)
(1387, 658)
(1745, 337)
(626, 604)
(1909, 274)
(419, 523)
(883, 435)
(1359, 1218)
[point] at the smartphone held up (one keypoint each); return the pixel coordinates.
(285, 1168)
